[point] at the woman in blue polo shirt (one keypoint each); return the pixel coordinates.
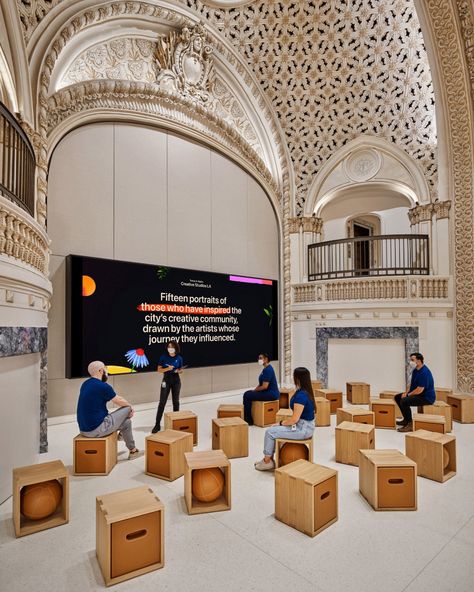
(170, 365)
(300, 426)
(267, 389)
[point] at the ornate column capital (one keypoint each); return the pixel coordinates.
(421, 213)
(307, 223)
(441, 209)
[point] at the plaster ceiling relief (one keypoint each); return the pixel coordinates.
(138, 59)
(334, 70)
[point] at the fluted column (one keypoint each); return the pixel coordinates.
(443, 238)
(304, 231)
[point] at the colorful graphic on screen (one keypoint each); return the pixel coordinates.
(124, 313)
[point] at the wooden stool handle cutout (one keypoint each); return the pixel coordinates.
(183, 428)
(90, 451)
(136, 535)
(159, 453)
(395, 481)
(383, 412)
(325, 495)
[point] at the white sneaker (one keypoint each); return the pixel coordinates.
(133, 455)
(265, 466)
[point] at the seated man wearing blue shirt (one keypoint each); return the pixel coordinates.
(93, 417)
(421, 392)
(267, 389)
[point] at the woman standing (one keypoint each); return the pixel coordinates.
(170, 365)
(267, 389)
(299, 426)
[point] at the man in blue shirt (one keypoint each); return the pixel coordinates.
(93, 417)
(421, 392)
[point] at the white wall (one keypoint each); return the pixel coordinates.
(379, 362)
(20, 404)
(133, 193)
(392, 221)
(435, 342)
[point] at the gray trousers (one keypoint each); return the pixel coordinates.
(119, 421)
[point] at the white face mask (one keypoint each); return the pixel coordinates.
(171, 350)
(412, 364)
(261, 362)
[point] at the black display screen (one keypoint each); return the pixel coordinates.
(124, 313)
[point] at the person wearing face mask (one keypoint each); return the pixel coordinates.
(93, 417)
(420, 392)
(170, 365)
(266, 390)
(300, 426)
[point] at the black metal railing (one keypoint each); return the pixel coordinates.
(391, 254)
(17, 163)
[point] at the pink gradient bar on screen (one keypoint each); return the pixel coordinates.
(249, 280)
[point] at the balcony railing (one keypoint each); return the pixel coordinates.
(17, 163)
(388, 255)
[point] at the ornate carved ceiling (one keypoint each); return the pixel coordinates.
(332, 69)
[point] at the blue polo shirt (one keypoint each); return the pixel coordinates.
(92, 403)
(167, 360)
(302, 398)
(268, 375)
(424, 378)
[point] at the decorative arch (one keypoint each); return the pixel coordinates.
(336, 175)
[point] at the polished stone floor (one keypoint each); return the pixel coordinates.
(247, 548)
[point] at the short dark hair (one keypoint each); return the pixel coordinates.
(174, 344)
(418, 356)
(265, 356)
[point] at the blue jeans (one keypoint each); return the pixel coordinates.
(252, 395)
(304, 430)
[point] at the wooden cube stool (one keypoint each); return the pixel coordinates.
(129, 534)
(385, 413)
(207, 459)
(283, 414)
(432, 423)
(94, 456)
(164, 453)
(387, 479)
(315, 489)
(305, 445)
(264, 413)
(440, 408)
(230, 411)
(434, 454)
(358, 393)
(357, 414)
(32, 475)
(332, 395)
(231, 434)
(350, 438)
(316, 384)
(182, 421)
(391, 395)
(323, 412)
(285, 397)
(463, 407)
(443, 393)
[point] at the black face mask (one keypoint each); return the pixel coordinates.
(105, 377)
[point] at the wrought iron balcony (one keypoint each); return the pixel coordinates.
(387, 255)
(17, 163)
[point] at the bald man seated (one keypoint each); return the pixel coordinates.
(93, 417)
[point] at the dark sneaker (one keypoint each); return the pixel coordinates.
(400, 422)
(407, 428)
(155, 429)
